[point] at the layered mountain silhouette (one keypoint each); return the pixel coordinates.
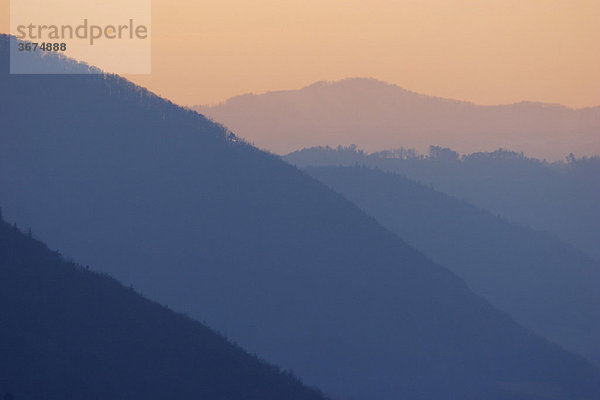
(375, 116)
(562, 198)
(162, 198)
(69, 333)
(544, 284)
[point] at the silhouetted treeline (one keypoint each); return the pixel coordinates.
(561, 197)
(89, 79)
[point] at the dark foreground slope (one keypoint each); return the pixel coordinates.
(68, 333)
(160, 197)
(544, 284)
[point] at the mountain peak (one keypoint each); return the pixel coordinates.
(376, 115)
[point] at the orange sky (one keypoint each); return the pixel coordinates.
(485, 51)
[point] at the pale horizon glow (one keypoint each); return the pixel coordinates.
(482, 51)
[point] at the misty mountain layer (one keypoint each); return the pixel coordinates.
(562, 198)
(544, 284)
(375, 116)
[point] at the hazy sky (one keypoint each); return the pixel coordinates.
(485, 51)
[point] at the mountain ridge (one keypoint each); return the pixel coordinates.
(546, 285)
(376, 115)
(561, 198)
(326, 83)
(69, 332)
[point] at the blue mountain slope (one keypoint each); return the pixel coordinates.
(543, 283)
(68, 333)
(562, 198)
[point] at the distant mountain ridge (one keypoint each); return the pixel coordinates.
(376, 115)
(562, 198)
(162, 198)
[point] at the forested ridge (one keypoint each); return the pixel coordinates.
(68, 332)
